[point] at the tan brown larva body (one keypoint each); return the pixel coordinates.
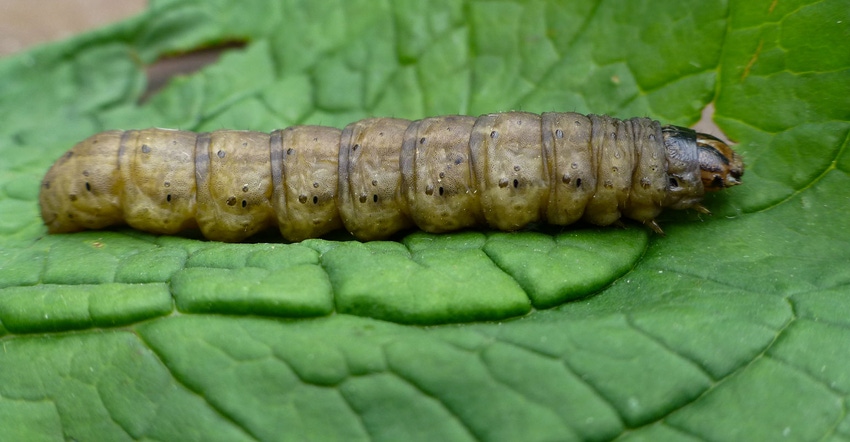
(382, 175)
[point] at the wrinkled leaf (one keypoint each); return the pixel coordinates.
(730, 327)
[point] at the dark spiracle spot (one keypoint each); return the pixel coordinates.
(441, 191)
(458, 160)
(302, 198)
(290, 151)
(615, 169)
(422, 140)
(380, 134)
(245, 144)
(429, 189)
(559, 133)
(363, 198)
(494, 135)
(355, 147)
(315, 199)
(674, 182)
(578, 182)
(88, 186)
(503, 183)
(168, 198)
(516, 183)
(244, 203)
(220, 154)
(231, 201)
(146, 148)
(375, 198)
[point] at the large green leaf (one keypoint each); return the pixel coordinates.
(731, 327)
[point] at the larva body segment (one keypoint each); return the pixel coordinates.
(382, 175)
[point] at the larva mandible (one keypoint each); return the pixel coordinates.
(381, 175)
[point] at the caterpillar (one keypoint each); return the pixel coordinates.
(381, 175)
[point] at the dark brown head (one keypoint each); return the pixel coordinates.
(721, 166)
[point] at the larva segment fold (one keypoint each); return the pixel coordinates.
(382, 175)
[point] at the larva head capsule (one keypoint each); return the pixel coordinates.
(697, 163)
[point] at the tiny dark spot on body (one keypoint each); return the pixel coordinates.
(69, 154)
(519, 122)
(85, 173)
(422, 140)
(608, 184)
(316, 139)
(231, 201)
(221, 154)
(577, 123)
(245, 188)
(146, 148)
(503, 183)
(166, 184)
(429, 189)
(442, 175)
(494, 134)
(168, 197)
(70, 215)
(88, 186)
(516, 168)
(245, 144)
(615, 169)
(363, 198)
(353, 148)
(380, 134)
(290, 151)
(374, 182)
(613, 135)
(516, 183)
(375, 198)
(566, 179)
(315, 199)
(458, 160)
(674, 182)
(174, 142)
(316, 185)
(559, 133)
(302, 198)
(578, 182)
(244, 203)
(574, 165)
(441, 190)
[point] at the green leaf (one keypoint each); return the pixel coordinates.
(730, 327)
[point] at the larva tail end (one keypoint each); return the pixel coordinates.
(79, 190)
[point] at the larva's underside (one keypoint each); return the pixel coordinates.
(378, 176)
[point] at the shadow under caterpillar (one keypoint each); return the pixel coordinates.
(381, 175)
